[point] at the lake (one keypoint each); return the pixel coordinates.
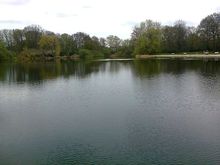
(110, 112)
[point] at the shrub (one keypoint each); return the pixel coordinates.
(4, 53)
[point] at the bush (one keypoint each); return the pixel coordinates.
(30, 55)
(85, 53)
(90, 54)
(4, 53)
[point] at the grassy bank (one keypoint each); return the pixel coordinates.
(180, 56)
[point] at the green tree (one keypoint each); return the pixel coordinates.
(114, 43)
(80, 39)
(32, 36)
(4, 53)
(148, 39)
(50, 45)
(126, 49)
(6, 36)
(91, 43)
(180, 32)
(168, 39)
(68, 45)
(95, 43)
(209, 31)
(18, 38)
(193, 40)
(102, 42)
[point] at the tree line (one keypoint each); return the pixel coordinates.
(149, 37)
(152, 38)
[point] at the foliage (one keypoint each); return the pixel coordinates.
(126, 49)
(18, 39)
(175, 37)
(4, 53)
(30, 55)
(148, 40)
(209, 31)
(32, 36)
(149, 37)
(50, 45)
(68, 45)
(113, 42)
(90, 54)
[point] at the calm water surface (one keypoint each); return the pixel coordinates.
(107, 113)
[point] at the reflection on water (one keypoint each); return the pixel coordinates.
(36, 73)
(112, 112)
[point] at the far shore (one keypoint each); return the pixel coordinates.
(180, 56)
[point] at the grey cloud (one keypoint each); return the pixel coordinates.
(64, 15)
(14, 2)
(86, 7)
(10, 22)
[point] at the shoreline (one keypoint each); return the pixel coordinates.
(180, 56)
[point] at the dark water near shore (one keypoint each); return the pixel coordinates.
(116, 112)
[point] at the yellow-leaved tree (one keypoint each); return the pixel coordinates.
(50, 45)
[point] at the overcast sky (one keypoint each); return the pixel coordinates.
(101, 17)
